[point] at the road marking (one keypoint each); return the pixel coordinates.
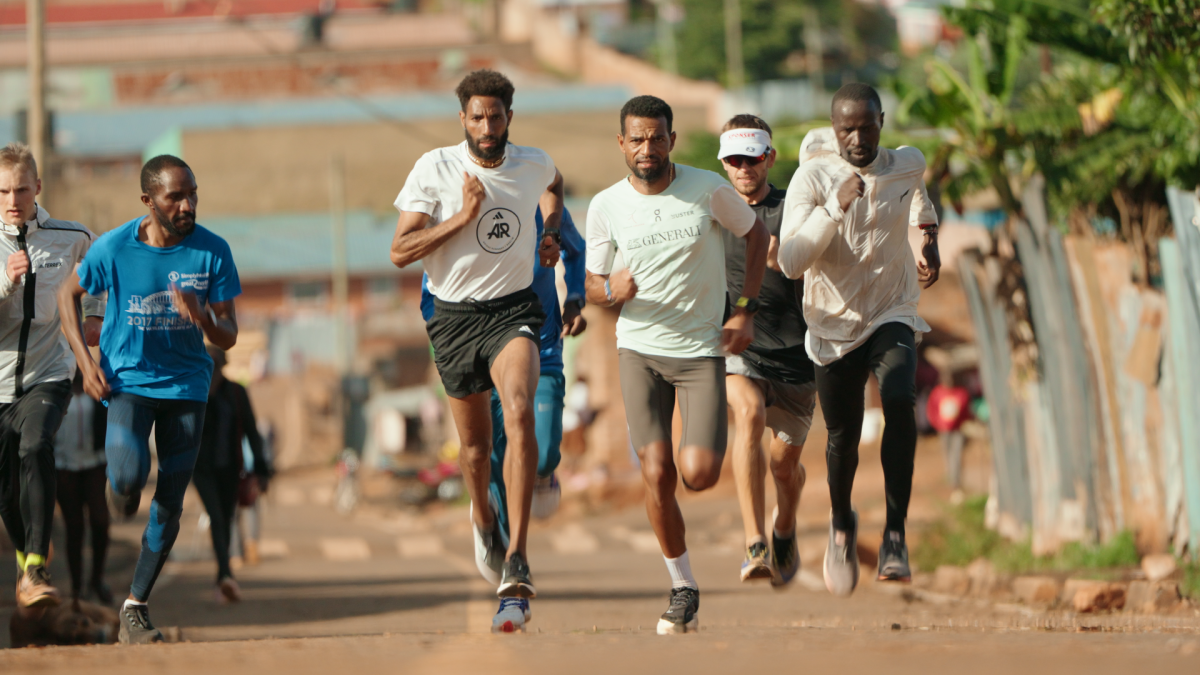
(483, 602)
(810, 580)
(273, 548)
(344, 549)
(420, 546)
(575, 540)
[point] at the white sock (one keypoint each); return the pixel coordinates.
(681, 572)
(135, 603)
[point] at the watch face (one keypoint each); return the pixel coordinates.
(752, 305)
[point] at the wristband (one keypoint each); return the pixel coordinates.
(608, 293)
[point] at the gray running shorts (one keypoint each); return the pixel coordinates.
(649, 385)
(789, 406)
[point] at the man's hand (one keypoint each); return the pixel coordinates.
(94, 382)
(573, 321)
(738, 332)
(773, 255)
(622, 285)
(549, 252)
(473, 196)
(18, 264)
(188, 305)
(930, 265)
(91, 330)
(850, 190)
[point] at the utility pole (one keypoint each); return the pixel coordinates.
(665, 18)
(734, 67)
(341, 280)
(35, 125)
(814, 49)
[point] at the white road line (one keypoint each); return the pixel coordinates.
(483, 602)
(273, 548)
(345, 549)
(420, 546)
(574, 540)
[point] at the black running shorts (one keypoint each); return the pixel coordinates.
(468, 336)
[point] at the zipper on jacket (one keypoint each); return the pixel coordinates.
(30, 304)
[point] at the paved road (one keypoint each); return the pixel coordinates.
(387, 591)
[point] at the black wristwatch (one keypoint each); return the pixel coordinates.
(748, 305)
(578, 302)
(554, 233)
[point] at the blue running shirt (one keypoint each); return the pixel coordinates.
(146, 347)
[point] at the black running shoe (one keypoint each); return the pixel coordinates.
(681, 617)
(122, 507)
(515, 581)
(893, 558)
(785, 560)
(136, 628)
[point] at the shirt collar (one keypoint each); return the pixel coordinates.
(31, 225)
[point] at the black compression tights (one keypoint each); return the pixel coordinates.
(891, 354)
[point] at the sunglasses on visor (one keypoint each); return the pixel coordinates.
(736, 161)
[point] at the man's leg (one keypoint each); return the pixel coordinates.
(207, 487)
(177, 429)
(515, 372)
(548, 414)
(496, 486)
(99, 521)
(749, 408)
(127, 451)
(38, 415)
(71, 496)
(789, 477)
(790, 418)
(840, 387)
(893, 358)
(10, 484)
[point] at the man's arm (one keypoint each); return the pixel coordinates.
(738, 331)
(576, 271)
(810, 220)
(69, 312)
(218, 322)
(414, 241)
(923, 215)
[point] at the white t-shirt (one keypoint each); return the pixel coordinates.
(494, 256)
(671, 245)
(861, 274)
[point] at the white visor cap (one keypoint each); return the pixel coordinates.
(748, 142)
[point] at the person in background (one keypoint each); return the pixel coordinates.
(80, 465)
(219, 464)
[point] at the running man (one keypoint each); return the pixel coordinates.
(467, 211)
(551, 387)
(38, 253)
(845, 229)
(771, 383)
(670, 338)
(171, 285)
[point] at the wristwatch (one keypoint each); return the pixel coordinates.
(748, 305)
(554, 233)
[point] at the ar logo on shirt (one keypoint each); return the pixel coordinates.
(497, 230)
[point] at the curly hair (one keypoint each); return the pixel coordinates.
(152, 171)
(485, 83)
(747, 121)
(650, 107)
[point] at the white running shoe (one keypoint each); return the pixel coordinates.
(489, 551)
(512, 616)
(841, 560)
(547, 493)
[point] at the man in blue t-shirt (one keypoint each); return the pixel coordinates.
(551, 387)
(170, 284)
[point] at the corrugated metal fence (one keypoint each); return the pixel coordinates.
(1104, 434)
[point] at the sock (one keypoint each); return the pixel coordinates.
(21, 560)
(34, 560)
(129, 602)
(681, 572)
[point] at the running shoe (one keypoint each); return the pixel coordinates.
(893, 558)
(34, 588)
(757, 564)
(122, 507)
(489, 552)
(546, 495)
(228, 591)
(515, 580)
(136, 628)
(680, 616)
(841, 560)
(512, 616)
(785, 560)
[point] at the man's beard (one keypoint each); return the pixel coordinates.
(652, 175)
(492, 155)
(183, 229)
(752, 190)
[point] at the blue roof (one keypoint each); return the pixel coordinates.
(128, 131)
(301, 245)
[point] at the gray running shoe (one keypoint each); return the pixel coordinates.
(136, 628)
(489, 551)
(680, 616)
(893, 558)
(841, 560)
(515, 579)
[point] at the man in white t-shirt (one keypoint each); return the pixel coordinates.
(845, 229)
(467, 212)
(672, 335)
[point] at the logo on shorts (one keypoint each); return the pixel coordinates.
(526, 329)
(497, 230)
